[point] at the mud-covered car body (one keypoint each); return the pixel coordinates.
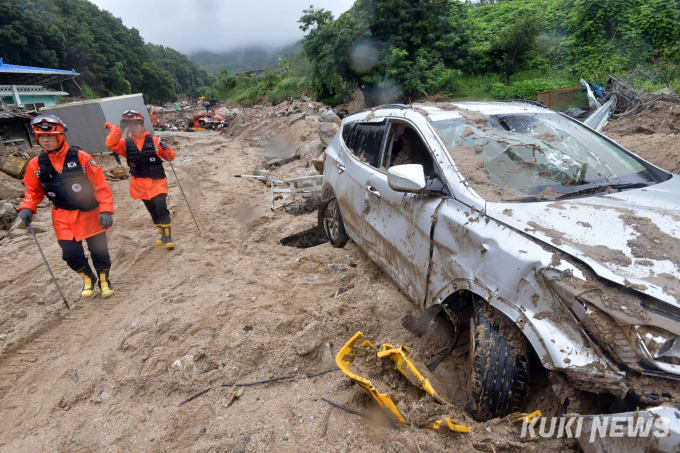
(591, 280)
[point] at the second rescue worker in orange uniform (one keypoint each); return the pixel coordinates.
(148, 183)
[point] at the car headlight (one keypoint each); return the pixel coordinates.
(635, 346)
(600, 325)
(661, 345)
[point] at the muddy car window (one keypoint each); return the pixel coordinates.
(346, 131)
(532, 157)
(365, 142)
(406, 147)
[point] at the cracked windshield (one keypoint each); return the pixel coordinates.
(528, 157)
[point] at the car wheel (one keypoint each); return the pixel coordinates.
(333, 225)
(499, 375)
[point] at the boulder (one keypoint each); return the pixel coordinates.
(7, 215)
(329, 116)
(342, 113)
(278, 162)
(315, 148)
(10, 188)
(309, 339)
(297, 117)
(318, 164)
(327, 132)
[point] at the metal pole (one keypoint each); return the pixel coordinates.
(185, 197)
(30, 228)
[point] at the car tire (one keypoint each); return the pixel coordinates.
(499, 375)
(332, 224)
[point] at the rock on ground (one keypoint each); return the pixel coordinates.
(10, 188)
(329, 116)
(309, 339)
(327, 132)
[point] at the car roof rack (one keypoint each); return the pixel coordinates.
(526, 101)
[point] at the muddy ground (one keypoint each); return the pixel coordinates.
(228, 305)
(653, 134)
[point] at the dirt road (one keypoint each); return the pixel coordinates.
(228, 305)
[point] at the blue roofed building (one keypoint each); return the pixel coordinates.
(25, 86)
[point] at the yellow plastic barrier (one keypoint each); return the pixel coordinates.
(449, 424)
(398, 355)
(343, 360)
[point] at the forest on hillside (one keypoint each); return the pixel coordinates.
(396, 50)
(111, 58)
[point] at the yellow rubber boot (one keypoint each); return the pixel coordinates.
(168, 237)
(89, 280)
(160, 241)
(104, 283)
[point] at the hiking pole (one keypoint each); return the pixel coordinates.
(30, 228)
(185, 197)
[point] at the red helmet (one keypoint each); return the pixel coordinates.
(129, 116)
(48, 124)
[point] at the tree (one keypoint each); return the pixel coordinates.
(158, 85)
(395, 47)
(115, 81)
(515, 45)
(313, 18)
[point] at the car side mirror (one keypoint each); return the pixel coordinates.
(406, 178)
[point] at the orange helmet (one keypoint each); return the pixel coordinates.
(129, 116)
(48, 124)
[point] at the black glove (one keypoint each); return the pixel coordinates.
(163, 145)
(26, 216)
(105, 220)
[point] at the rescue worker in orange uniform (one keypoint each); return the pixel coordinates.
(148, 183)
(82, 203)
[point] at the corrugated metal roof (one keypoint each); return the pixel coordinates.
(12, 74)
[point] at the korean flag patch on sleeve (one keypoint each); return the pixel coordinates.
(93, 163)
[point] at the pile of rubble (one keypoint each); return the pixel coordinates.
(288, 132)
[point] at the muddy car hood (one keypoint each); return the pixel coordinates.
(631, 238)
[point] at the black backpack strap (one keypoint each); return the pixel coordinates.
(45, 165)
(130, 145)
(149, 144)
(72, 154)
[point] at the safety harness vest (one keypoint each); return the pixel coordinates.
(69, 190)
(144, 163)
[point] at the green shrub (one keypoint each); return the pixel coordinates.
(86, 92)
(528, 89)
(210, 94)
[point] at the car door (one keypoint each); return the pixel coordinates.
(357, 160)
(399, 225)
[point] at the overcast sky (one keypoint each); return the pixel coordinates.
(216, 25)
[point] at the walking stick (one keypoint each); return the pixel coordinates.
(30, 228)
(185, 197)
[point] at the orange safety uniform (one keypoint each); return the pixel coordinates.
(140, 188)
(70, 225)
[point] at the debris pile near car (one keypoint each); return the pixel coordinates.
(651, 131)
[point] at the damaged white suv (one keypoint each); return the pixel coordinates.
(538, 231)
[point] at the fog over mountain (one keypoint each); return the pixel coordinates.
(217, 26)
